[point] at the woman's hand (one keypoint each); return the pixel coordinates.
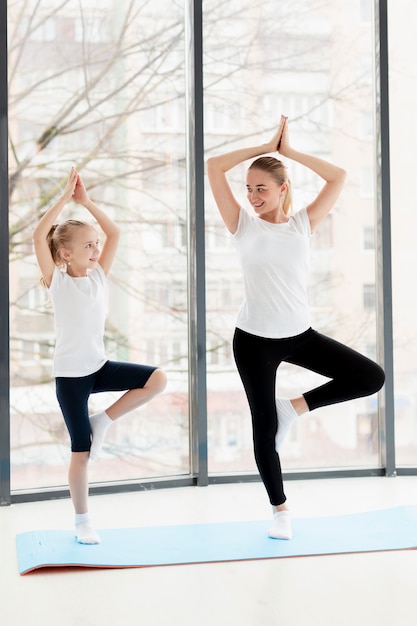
(284, 142)
(276, 141)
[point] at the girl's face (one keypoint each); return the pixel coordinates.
(83, 252)
(264, 194)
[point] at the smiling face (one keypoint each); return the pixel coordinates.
(82, 252)
(265, 195)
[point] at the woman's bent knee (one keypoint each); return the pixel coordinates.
(378, 379)
(370, 381)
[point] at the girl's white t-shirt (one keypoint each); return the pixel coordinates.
(80, 307)
(275, 263)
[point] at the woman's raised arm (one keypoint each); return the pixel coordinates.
(218, 166)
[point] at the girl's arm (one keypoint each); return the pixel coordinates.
(40, 234)
(217, 167)
(109, 228)
(333, 175)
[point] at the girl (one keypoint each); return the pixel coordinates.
(74, 272)
(273, 322)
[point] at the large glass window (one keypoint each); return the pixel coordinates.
(403, 144)
(313, 63)
(100, 86)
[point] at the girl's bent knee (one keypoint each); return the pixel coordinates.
(158, 381)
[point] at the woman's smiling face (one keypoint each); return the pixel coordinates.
(264, 194)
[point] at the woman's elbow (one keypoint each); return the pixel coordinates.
(342, 175)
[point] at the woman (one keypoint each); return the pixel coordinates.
(273, 323)
(74, 271)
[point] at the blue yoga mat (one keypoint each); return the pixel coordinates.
(388, 529)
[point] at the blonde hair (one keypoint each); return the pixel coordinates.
(60, 236)
(279, 173)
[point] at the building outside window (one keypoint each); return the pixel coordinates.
(105, 90)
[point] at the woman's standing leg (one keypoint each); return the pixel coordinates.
(257, 362)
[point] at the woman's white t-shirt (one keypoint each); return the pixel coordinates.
(80, 307)
(275, 263)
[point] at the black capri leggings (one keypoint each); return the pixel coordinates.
(73, 394)
(257, 360)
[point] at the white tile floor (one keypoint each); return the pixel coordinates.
(353, 590)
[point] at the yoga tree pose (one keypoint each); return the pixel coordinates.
(74, 271)
(273, 323)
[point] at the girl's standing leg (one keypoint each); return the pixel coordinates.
(78, 481)
(73, 394)
(78, 485)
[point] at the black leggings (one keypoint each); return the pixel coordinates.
(73, 395)
(257, 360)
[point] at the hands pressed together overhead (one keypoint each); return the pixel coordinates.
(280, 140)
(75, 189)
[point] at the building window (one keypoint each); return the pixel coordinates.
(366, 125)
(45, 30)
(367, 183)
(369, 299)
(366, 11)
(369, 238)
(365, 70)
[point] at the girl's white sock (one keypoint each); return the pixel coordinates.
(84, 530)
(281, 526)
(99, 422)
(287, 415)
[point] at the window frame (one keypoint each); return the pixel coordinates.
(196, 268)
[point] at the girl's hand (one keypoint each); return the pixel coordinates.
(70, 186)
(80, 195)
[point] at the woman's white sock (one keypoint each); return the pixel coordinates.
(287, 415)
(99, 422)
(281, 526)
(84, 530)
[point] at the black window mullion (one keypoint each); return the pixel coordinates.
(4, 270)
(384, 271)
(196, 241)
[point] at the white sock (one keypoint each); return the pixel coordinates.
(286, 417)
(84, 529)
(99, 422)
(281, 526)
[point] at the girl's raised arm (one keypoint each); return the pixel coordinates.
(40, 234)
(109, 228)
